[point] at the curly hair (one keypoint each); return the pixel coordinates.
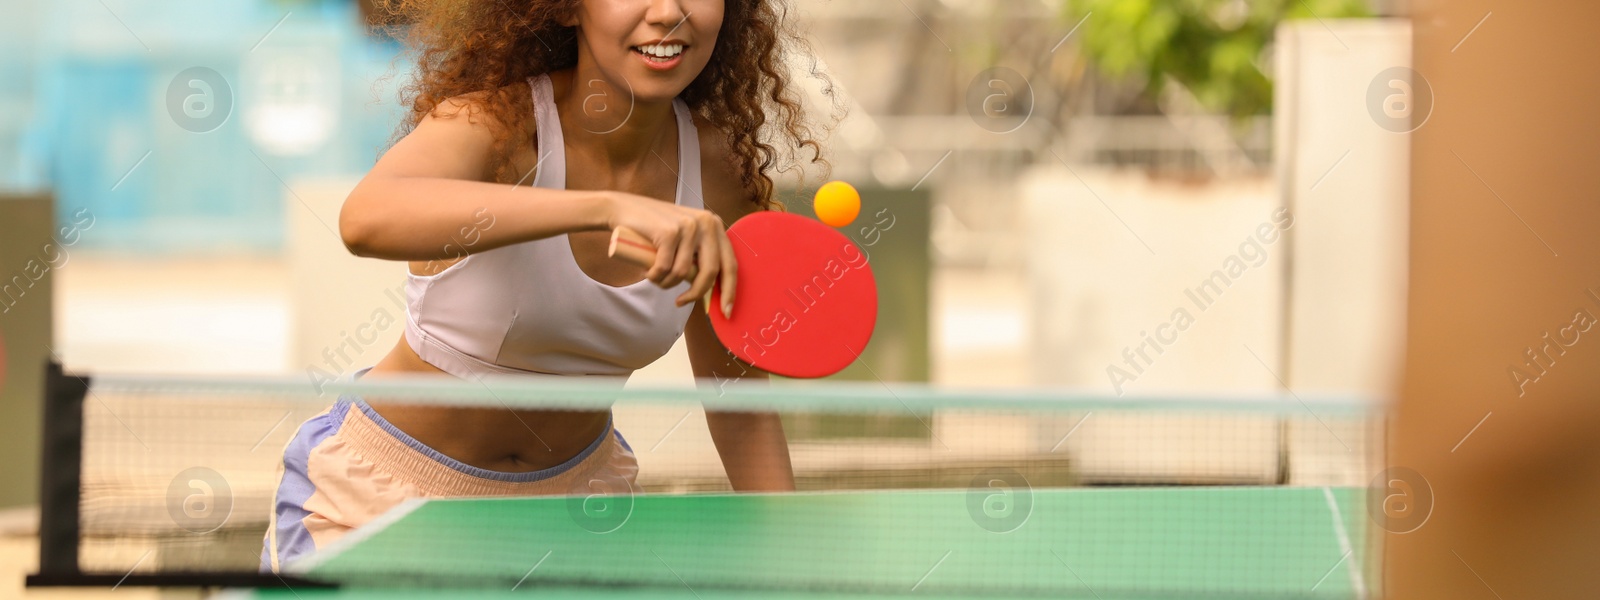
(489, 48)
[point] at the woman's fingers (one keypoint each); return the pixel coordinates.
(666, 257)
(691, 245)
(684, 256)
(730, 274)
(708, 262)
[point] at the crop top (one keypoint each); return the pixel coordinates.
(528, 308)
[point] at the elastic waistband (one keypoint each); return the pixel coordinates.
(382, 442)
(441, 355)
(400, 436)
(450, 360)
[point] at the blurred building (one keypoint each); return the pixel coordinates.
(178, 124)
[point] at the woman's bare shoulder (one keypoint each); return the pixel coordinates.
(464, 131)
(483, 111)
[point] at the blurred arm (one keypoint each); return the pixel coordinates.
(752, 445)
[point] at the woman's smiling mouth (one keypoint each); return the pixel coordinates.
(660, 55)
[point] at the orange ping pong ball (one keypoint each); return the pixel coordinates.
(837, 203)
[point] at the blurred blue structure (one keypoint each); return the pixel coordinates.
(88, 109)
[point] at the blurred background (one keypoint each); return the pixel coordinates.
(1072, 170)
(1115, 196)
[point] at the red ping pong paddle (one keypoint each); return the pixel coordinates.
(807, 300)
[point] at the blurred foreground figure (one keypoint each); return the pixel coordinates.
(1500, 409)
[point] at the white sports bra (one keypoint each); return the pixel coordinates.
(528, 308)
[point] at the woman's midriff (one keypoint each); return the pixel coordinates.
(493, 438)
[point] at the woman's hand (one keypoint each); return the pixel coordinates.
(684, 238)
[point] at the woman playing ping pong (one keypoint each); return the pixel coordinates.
(537, 127)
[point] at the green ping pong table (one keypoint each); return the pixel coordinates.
(1120, 542)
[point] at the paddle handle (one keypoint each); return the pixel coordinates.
(631, 246)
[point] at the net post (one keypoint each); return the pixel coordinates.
(61, 472)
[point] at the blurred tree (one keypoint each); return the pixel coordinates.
(1214, 48)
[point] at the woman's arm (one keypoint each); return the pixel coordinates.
(751, 444)
(432, 197)
(433, 188)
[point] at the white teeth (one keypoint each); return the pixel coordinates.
(661, 50)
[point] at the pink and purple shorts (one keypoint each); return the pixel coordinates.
(347, 465)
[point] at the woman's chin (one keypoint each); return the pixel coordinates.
(652, 91)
